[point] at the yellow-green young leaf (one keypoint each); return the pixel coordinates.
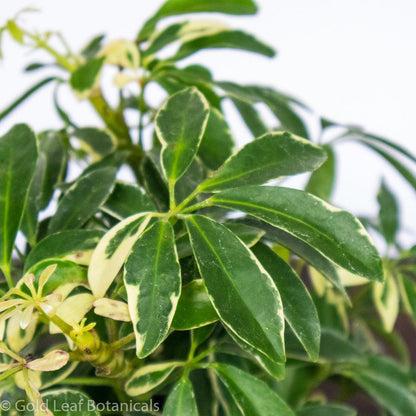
(112, 251)
(269, 157)
(153, 282)
(72, 310)
(388, 214)
(194, 308)
(149, 377)
(126, 200)
(18, 155)
(52, 361)
(113, 309)
(236, 281)
(180, 125)
(122, 53)
(408, 294)
(86, 77)
(231, 39)
(15, 31)
(252, 396)
(321, 182)
(387, 300)
(82, 200)
(18, 338)
(72, 245)
(181, 400)
(298, 307)
(334, 233)
(60, 400)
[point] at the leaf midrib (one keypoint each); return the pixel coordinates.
(294, 219)
(233, 285)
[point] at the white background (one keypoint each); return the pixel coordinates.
(353, 61)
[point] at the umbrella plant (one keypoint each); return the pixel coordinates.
(156, 266)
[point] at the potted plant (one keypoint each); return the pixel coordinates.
(200, 286)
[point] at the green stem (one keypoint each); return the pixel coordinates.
(8, 274)
(116, 345)
(195, 207)
(172, 200)
(188, 199)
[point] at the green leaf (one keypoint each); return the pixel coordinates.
(387, 383)
(112, 251)
(406, 173)
(194, 308)
(269, 157)
(182, 31)
(362, 136)
(246, 233)
(95, 141)
(217, 143)
(304, 251)
(92, 190)
(181, 400)
(236, 281)
(25, 95)
(336, 234)
(388, 213)
(74, 245)
(298, 307)
(322, 181)
(335, 348)
(177, 7)
(195, 174)
(18, 155)
(153, 281)
(50, 144)
(29, 225)
(148, 377)
(280, 104)
(274, 369)
(68, 402)
(232, 39)
(85, 77)
(126, 200)
(251, 117)
(238, 7)
(326, 409)
(91, 49)
(180, 125)
(154, 181)
(253, 396)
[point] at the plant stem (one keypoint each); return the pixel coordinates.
(7, 274)
(116, 345)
